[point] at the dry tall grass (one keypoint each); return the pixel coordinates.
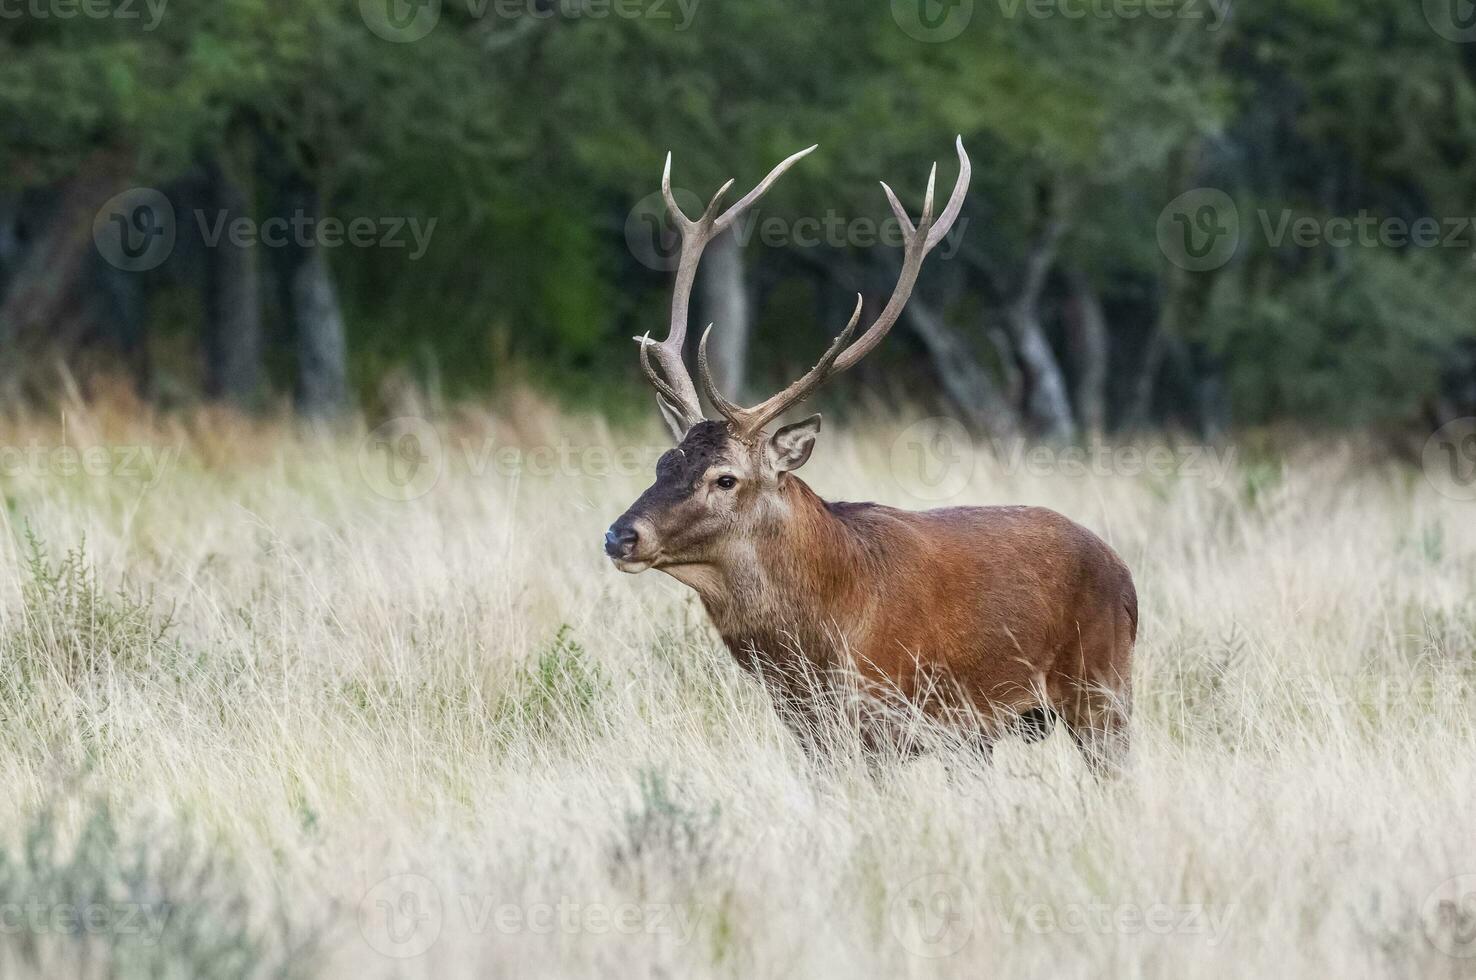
(259, 719)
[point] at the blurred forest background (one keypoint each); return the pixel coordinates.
(524, 139)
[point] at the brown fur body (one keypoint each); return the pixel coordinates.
(1010, 608)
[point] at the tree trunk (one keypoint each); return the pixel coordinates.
(1204, 406)
(42, 288)
(1140, 410)
(723, 301)
(1009, 366)
(964, 379)
(120, 312)
(1090, 351)
(44, 301)
(232, 298)
(322, 349)
(10, 244)
(311, 300)
(1214, 404)
(1185, 298)
(1174, 286)
(1047, 405)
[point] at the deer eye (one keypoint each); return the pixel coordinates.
(726, 482)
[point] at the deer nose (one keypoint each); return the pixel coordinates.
(620, 541)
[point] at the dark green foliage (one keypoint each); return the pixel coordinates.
(528, 138)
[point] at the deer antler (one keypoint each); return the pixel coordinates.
(918, 241)
(676, 395)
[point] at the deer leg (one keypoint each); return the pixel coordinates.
(1097, 719)
(1091, 690)
(802, 721)
(1035, 724)
(985, 748)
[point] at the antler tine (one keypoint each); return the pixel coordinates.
(662, 388)
(950, 213)
(919, 242)
(900, 212)
(750, 421)
(926, 221)
(672, 206)
(677, 388)
(728, 409)
(749, 199)
(675, 209)
(717, 202)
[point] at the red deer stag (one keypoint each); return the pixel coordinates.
(1024, 615)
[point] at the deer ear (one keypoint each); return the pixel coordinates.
(790, 447)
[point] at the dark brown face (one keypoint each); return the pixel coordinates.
(710, 492)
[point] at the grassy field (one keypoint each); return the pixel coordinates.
(376, 706)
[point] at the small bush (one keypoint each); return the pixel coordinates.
(71, 627)
(134, 902)
(665, 840)
(557, 692)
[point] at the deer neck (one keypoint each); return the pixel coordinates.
(795, 579)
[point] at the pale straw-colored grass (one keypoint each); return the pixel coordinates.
(323, 729)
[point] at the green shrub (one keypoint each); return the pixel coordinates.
(665, 841)
(135, 901)
(69, 626)
(556, 693)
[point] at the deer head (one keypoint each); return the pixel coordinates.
(724, 485)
